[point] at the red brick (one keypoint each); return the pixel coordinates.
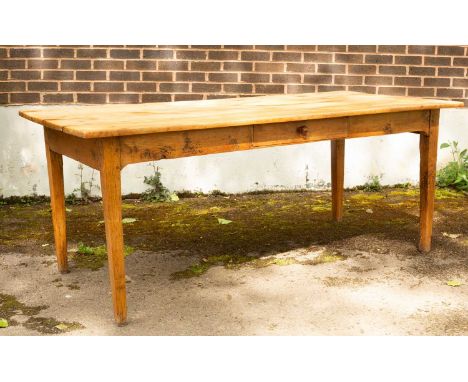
(3, 52)
(363, 89)
(191, 54)
(255, 77)
(25, 98)
(408, 81)
(457, 61)
(158, 54)
(348, 80)
(223, 55)
(443, 82)
(390, 69)
(391, 48)
(421, 92)
(108, 87)
(269, 89)
(295, 89)
(205, 66)
(25, 75)
(330, 88)
(238, 88)
(75, 64)
(141, 87)
(42, 86)
(408, 60)
(223, 77)
(157, 76)
(4, 75)
(173, 87)
(317, 79)
(392, 90)
(302, 48)
(25, 52)
(43, 64)
(379, 59)
(349, 58)
(318, 57)
(237, 66)
(205, 87)
(124, 98)
(421, 49)
(125, 53)
(270, 47)
(242, 47)
(58, 98)
(286, 78)
(140, 65)
(58, 75)
(124, 75)
(58, 52)
(75, 86)
(331, 68)
(287, 56)
(437, 61)
(109, 64)
(10, 86)
(331, 48)
(190, 76)
(460, 82)
(300, 68)
(362, 69)
(91, 53)
(451, 50)
(255, 56)
(91, 75)
(379, 80)
(270, 67)
(12, 64)
(422, 71)
(451, 72)
(94, 98)
(362, 48)
(173, 65)
(156, 98)
(3, 98)
(188, 97)
(450, 93)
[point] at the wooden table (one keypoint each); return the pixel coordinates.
(109, 137)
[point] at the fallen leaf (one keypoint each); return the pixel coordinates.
(68, 209)
(68, 296)
(369, 211)
(451, 235)
(128, 220)
(61, 327)
(101, 222)
(454, 283)
(3, 323)
(224, 221)
(45, 245)
(173, 197)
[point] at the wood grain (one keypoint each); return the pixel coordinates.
(121, 120)
(112, 203)
(427, 179)
(337, 177)
(57, 203)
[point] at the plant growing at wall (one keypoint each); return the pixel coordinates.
(157, 191)
(455, 173)
(86, 186)
(372, 185)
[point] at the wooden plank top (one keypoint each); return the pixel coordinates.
(130, 119)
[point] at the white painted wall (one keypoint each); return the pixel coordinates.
(23, 168)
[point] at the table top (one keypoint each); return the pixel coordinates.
(131, 119)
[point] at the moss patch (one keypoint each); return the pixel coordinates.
(48, 325)
(93, 258)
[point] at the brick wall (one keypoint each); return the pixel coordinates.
(113, 74)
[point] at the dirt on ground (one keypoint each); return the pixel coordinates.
(251, 264)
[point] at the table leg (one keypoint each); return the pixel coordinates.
(427, 175)
(57, 202)
(112, 203)
(337, 177)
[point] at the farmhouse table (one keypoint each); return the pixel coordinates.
(109, 137)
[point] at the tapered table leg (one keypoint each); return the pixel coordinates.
(57, 202)
(427, 177)
(337, 177)
(112, 203)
